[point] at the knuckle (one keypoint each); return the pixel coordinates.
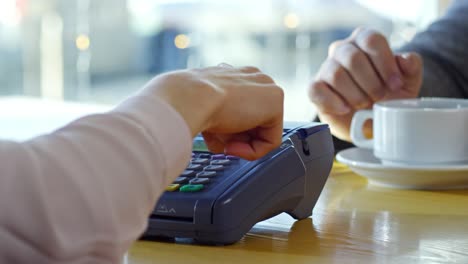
(280, 92)
(338, 76)
(356, 58)
(250, 69)
(334, 46)
(316, 93)
(374, 40)
(224, 65)
(264, 77)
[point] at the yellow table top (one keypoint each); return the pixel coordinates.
(352, 222)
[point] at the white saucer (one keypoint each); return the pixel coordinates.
(363, 162)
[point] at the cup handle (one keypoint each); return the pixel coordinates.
(357, 136)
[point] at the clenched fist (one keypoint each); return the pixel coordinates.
(359, 71)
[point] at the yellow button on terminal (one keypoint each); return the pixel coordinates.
(172, 187)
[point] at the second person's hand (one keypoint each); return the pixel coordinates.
(358, 72)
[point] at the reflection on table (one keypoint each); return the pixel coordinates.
(352, 222)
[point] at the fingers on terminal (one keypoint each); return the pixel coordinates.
(214, 144)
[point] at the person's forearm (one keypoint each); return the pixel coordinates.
(443, 47)
(83, 193)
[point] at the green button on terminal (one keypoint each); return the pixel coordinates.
(191, 188)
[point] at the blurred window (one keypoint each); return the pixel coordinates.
(102, 51)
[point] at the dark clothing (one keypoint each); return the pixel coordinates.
(444, 48)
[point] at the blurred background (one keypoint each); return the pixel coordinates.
(103, 50)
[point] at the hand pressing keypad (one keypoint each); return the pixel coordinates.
(202, 170)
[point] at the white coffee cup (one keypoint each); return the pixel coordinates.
(416, 131)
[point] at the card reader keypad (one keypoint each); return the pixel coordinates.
(203, 170)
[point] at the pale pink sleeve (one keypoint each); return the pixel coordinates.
(83, 193)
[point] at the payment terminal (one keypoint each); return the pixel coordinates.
(219, 198)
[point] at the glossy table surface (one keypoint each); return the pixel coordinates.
(352, 223)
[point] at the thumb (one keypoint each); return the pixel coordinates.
(411, 66)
